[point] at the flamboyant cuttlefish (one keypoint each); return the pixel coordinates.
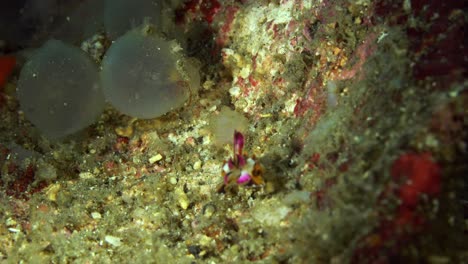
(240, 169)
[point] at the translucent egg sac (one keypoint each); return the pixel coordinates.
(59, 90)
(123, 15)
(140, 76)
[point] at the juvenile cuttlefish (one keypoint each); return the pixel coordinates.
(240, 169)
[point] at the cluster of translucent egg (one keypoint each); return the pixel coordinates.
(61, 90)
(139, 78)
(122, 15)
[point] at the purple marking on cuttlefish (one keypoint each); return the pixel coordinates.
(244, 178)
(240, 161)
(238, 143)
(230, 164)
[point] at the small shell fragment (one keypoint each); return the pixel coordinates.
(96, 215)
(182, 198)
(114, 241)
(155, 158)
